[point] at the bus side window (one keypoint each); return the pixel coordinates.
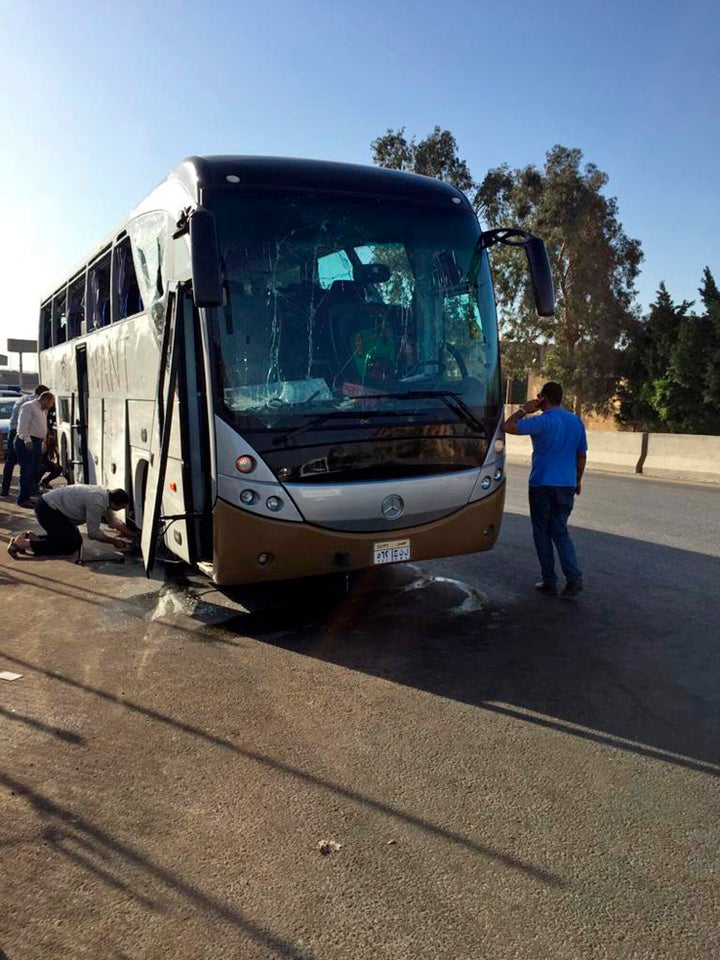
(46, 326)
(127, 301)
(98, 294)
(149, 234)
(76, 307)
(59, 317)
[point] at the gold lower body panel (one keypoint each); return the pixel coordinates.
(301, 550)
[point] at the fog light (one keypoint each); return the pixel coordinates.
(264, 559)
(499, 446)
(485, 483)
(245, 464)
(274, 504)
(498, 474)
(248, 497)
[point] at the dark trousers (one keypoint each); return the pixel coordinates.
(550, 508)
(29, 461)
(63, 537)
(10, 462)
(49, 471)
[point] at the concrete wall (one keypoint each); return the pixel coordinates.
(665, 455)
(614, 452)
(683, 457)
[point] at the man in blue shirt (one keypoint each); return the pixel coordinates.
(558, 461)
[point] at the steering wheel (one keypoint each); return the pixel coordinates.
(454, 353)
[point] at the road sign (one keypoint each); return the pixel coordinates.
(22, 346)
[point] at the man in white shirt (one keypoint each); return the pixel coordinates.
(61, 511)
(31, 433)
(11, 459)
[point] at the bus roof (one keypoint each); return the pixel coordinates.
(320, 174)
(188, 180)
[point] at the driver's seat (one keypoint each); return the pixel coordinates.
(361, 336)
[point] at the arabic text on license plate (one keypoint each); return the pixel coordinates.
(391, 551)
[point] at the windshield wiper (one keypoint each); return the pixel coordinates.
(451, 399)
(329, 415)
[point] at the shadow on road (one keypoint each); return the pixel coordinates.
(629, 664)
(111, 861)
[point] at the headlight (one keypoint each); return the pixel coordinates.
(245, 464)
(485, 483)
(248, 497)
(498, 474)
(274, 504)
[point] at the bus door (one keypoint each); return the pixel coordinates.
(196, 530)
(162, 430)
(79, 454)
(177, 492)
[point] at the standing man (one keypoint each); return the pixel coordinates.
(558, 461)
(28, 444)
(60, 512)
(11, 458)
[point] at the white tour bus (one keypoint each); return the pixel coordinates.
(291, 366)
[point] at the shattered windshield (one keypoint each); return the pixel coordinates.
(335, 304)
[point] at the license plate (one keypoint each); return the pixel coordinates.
(391, 551)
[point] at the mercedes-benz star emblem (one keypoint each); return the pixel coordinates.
(392, 507)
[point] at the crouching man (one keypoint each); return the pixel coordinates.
(60, 512)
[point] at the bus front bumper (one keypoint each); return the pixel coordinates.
(242, 541)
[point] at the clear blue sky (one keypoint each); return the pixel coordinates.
(100, 101)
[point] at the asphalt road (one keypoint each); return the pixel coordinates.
(492, 773)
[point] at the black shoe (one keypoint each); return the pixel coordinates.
(28, 504)
(572, 588)
(549, 589)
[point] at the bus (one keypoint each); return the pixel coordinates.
(291, 366)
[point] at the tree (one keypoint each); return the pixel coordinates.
(646, 383)
(692, 399)
(594, 267)
(672, 377)
(710, 296)
(434, 156)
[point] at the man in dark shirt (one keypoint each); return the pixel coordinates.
(558, 461)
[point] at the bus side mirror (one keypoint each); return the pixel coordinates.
(541, 276)
(205, 259)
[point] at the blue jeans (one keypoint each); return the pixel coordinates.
(10, 461)
(29, 461)
(550, 508)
